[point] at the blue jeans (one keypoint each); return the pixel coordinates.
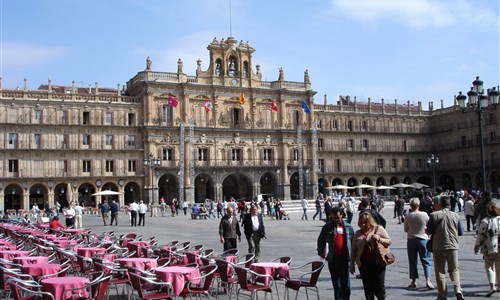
(416, 247)
(339, 271)
(318, 211)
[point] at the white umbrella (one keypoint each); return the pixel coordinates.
(384, 187)
(364, 186)
(107, 193)
(419, 185)
(340, 187)
(401, 185)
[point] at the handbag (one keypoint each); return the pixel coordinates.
(384, 254)
(428, 246)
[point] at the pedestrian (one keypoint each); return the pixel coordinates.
(365, 206)
(317, 205)
(469, 212)
(78, 216)
(55, 224)
(211, 209)
(173, 209)
(349, 208)
(262, 206)
(328, 205)
(34, 211)
(46, 208)
(69, 213)
(414, 226)
(488, 238)
(399, 206)
(133, 208)
(114, 208)
(104, 207)
(184, 207)
(305, 206)
(338, 234)
(363, 255)
(143, 209)
(445, 225)
(253, 226)
(480, 210)
(229, 230)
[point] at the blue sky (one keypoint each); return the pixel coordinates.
(411, 50)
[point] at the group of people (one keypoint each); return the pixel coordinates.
(348, 248)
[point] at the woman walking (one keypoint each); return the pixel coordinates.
(414, 226)
(363, 254)
(487, 240)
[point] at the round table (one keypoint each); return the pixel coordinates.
(57, 285)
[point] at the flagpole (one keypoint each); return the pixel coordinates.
(230, 20)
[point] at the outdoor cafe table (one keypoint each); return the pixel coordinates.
(275, 269)
(75, 231)
(177, 276)
(90, 251)
(10, 254)
(7, 247)
(28, 260)
(6, 243)
(57, 285)
(64, 243)
(138, 263)
(137, 246)
(37, 270)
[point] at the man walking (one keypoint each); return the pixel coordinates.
(253, 226)
(143, 208)
(133, 208)
(317, 204)
(114, 212)
(229, 230)
(445, 226)
(78, 216)
(305, 206)
(337, 233)
(104, 206)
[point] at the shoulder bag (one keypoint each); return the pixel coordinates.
(384, 254)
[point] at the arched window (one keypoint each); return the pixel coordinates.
(245, 70)
(296, 118)
(236, 118)
(218, 67)
(232, 66)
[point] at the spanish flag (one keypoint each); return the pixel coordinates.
(242, 98)
(274, 106)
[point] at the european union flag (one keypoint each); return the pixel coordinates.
(305, 108)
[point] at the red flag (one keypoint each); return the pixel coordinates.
(274, 106)
(242, 98)
(208, 105)
(172, 101)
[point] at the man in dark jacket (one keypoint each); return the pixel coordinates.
(337, 233)
(229, 230)
(365, 206)
(253, 226)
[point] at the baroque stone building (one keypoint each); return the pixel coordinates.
(223, 133)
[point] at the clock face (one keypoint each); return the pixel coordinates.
(234, 82)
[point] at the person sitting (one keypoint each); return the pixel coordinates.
(195, 210)
(26, 220)
(55, 224)
(203, 212)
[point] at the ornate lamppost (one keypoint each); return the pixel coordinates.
(433, 161)
(479, 103)
(152, 162)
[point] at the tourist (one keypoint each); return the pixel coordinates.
(305, 205)
(317, 205)
(133, 208)
(469, 212)
(114, 208)
(78, 216)
(69, 213)
(55, 224)
(253, 225)
(229, 230)
(143, 209)
(104, 207)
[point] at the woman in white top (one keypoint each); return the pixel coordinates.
(414, 226)
(487, 240)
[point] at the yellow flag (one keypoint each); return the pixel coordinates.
(242, 98)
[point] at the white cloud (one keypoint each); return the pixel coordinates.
(416, 13)
(21, 55)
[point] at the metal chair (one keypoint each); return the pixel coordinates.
(200, 285)
(227, 278)
(149, 288)
(253, 282)
(307, 280)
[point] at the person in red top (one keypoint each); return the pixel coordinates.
(54, 224)
(338, 234)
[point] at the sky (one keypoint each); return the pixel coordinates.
(409, 50)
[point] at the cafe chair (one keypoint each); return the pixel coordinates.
(162, 262)
(118, 276)
(307, 280)
(208, 253)
(192, 257)
(226, 276)
(284, 260)
(200, 285)
(182, 246)
(172, 244)
(252, 282)
(62, 273)
(148, 288)
(85, 265)
(232, 251)
(24, 290)
(196, 247)
(246, 260)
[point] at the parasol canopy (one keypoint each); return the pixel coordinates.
(106, 193)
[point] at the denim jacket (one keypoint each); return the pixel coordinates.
(327, 236)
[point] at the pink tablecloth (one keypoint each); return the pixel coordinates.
(62, 243)
(7, 247)
(28, 260)
(177, 276)
(38, 270)
(138, 263)
(280, 270)
(10, 254)
(136, 246)
(6, 243)
(57, 285)
(75, 231)
(90, 251)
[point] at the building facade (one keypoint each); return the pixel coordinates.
(223, 133)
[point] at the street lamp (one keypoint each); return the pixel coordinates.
(433, 161)
(152, 162)
(479, 103)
